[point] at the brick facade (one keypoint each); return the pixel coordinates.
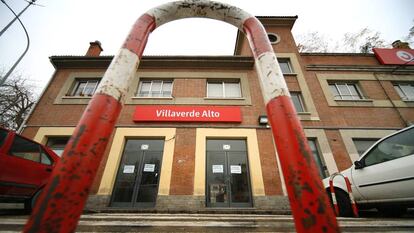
(380, 109)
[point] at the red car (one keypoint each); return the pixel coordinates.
(25, 167)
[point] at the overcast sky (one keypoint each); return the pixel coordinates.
(67, 27)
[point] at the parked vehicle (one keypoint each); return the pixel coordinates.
(382, 178)
(25, 167)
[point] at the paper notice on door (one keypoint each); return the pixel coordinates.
(218, 168)
(149, 167)
(235, 169)
(129, 168)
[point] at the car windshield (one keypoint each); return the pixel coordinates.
(396, 146)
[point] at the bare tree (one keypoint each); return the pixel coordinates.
(312, 42)
(16, 99)
(410, 36)
(361, 41)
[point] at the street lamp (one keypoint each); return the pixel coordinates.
(3, 79)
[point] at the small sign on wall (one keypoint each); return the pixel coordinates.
(144, 147)
(149, 167)
(235, 169)
(218, 168)
(226, 147)
(187, 113)
(129, 169)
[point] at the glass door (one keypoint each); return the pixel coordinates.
(138, 175)
(227, 173)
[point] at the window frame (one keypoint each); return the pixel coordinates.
(57, 146)
(324, 168)
(150, 94)
(341, 96)
(78, 81)
(401, 92)
(223, 86)
(288, 63)
(299, 96)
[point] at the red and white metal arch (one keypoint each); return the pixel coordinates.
(62, 201)
(348, 188)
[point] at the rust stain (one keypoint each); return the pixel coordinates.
(76, 138)
(309, 221)
(302, 147)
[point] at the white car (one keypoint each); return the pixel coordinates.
(382, 178)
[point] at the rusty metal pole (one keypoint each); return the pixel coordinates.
(308, 200)
(62, 201)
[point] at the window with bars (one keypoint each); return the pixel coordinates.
(298, 101)
(84, 87)
(224, 89)
(405, 90)
(285, 65)
(345, 91)
(155, 88)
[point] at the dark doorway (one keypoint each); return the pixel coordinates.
(138, 175)
(227, 174)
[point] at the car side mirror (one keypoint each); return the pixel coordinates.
(359, 164)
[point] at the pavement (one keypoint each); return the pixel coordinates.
(152, 222)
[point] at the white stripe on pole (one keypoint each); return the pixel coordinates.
(116, 81)
(272, 82)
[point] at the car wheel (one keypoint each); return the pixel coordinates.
(30, 203)
(344, 203)
(392, 211)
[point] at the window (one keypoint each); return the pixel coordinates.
(297, 101)
(3, 136)
(57, 144)
(273, 38)
(394, 147)
(155, 88)
(345, 91)
(285, 65)
(317, 157)
(26, 149)
(363, 145)
(405, 90)
(223, 89)
(84, 87)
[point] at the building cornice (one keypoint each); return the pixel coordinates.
(242, 62)
(362, 68)
(339, 54)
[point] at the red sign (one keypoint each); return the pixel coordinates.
(187, 113)
(395, 56)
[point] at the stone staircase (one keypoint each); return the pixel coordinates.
(182, 222)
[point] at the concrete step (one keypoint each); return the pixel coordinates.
(127, 222)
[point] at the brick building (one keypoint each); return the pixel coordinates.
(176, 146)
